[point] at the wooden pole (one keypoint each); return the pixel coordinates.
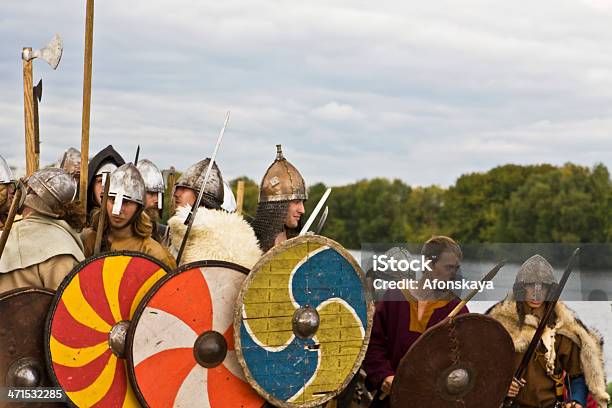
(28, 114)
(89, 16)
(102, 219)
(10, 218)
(170, 208)
(239, 196)
(171, 180)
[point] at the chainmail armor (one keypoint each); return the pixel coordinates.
(270, 221)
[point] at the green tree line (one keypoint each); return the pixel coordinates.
(510, 203)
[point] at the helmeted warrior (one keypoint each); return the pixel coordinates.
(155, 187)
(281, 203)
(188, 186)
(7, 189)
(127, 226)
(216, 234)
(71, 163)
(105, 161)
(567, 347)
(44, 247)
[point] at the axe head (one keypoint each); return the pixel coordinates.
(52, 52)
(38, 90)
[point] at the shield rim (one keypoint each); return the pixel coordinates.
(283, 246)
(145, 300)
(60, 290)
(26, 289)
(30, 289)
(444, 322)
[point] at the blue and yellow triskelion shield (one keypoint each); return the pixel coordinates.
(299, 276)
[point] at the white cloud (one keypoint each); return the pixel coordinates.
(335, 111)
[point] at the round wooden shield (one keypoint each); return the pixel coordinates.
(22, 332)
(87, 327)
(302, 322)
(467, 361)
(181, 345)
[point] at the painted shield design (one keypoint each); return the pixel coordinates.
(181, 343)
(22, 352)
(467, 361)
(303, 321)
(88, 323)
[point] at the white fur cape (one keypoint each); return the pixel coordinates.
(215, 235)
(568, 325)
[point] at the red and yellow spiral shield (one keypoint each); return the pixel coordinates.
(99, 293)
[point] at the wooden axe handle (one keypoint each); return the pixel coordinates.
(11, 217)
(28, 115)
(89, 20)
(102, 218)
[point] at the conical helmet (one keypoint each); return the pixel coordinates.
(6, 175)
(536, 270)
(153, 179)
(282, 181)
(193, 178)
(53, 189)
(71, 161)
(126, 183)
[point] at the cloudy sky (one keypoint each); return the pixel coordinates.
(422, 91)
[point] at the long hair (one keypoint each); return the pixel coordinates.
(3, 196)
(522, 308)
(74, 214)
(141, 225)
(154, 216)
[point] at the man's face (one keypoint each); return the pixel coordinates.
(446, 267)
(151, 200)
(184, 196)
(98, 190)
(128, 209)
(294, 213)
(535, 294)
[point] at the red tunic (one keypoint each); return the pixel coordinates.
(396, 327)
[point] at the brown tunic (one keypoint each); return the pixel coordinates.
(40, 252)
(145, 245)
(48, 274)
(539, 391)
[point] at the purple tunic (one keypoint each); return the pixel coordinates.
(396, 327)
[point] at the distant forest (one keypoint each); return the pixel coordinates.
(510, 203)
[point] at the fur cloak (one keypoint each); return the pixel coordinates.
(216, 235)
(568, 325)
